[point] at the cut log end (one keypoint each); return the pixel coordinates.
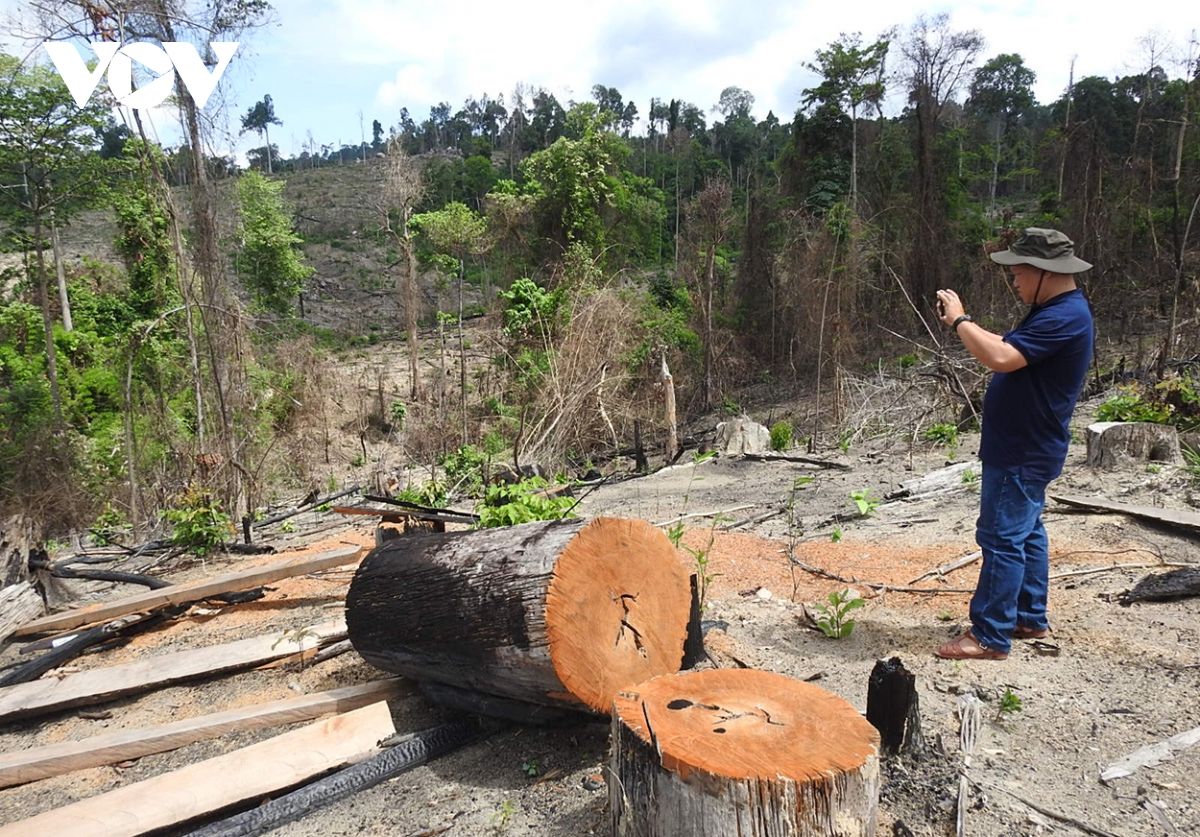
(617, 609)
(741, 751)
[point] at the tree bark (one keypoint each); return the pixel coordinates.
(740, 751)
(64, 301)
(562, 613)
(668, 386)
(410, 310)
(43, 298)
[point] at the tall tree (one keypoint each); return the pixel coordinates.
(710, 221)
(852, 76)
(48, 169)
(401, 188)
(259, 119)
(458, 232)
(1001, 90)
(938, 62)
(267, 259)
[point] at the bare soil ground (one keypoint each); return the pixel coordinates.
(1124, 677)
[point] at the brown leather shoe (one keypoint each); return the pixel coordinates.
(966, 647)
(1024, 632)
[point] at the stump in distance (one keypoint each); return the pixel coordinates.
(740, 751)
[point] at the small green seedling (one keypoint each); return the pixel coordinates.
(1009, 703)
(945, 616)
(865, 502)
(530, 768)
(503, 815)
(836, 535)
(831, 614)
(803, 482)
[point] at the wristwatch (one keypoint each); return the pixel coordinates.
(965, 318)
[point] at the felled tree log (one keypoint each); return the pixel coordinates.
(740, 751)
(1113, 443)
(565, 613)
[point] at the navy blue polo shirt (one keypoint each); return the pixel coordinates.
(1026, 413)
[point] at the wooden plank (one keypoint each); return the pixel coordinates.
(193, 591)
(216, 783)
(55, 759)
(1173, 517)
(98, 685)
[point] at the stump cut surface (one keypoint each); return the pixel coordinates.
(748, 724)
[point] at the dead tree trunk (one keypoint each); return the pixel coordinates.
(19, 600)
(668, 386)
(565, 613)
(893, 707)
(740, 751)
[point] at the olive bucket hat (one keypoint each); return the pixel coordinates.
(1048, 249)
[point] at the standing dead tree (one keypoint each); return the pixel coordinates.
(709, 223)
(402, 185)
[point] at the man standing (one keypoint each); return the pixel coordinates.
(1039, 372)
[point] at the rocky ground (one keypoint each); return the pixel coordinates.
(1112, 680)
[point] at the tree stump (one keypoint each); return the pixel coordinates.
(740, 751)
(1113, 443)
(565, 613)
(893, 707)
(19, 599)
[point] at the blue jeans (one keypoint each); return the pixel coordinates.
(1014, 578)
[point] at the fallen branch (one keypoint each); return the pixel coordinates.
(1042, 809)
(878, 586)
(750, 521)
(715, 513)
(956, 564)
(1112, 567)
(806, 460)
(307, 507)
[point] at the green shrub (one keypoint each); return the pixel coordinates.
(398, 412)
(464, 468)
(198, 522)
(781, 435)
(944, 433)
(1130, 404)
(509, 505)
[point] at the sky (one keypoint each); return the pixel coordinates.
(326, 61)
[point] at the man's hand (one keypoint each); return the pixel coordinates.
(950, 307)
